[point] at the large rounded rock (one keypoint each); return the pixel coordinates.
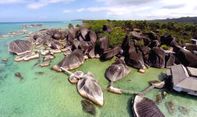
(170, 60)
(103, 44)
(110, 53)
(134, 58)
(91, 36)
(186, 57)
(89, 88)
(83, 32)
(144, 107)
(72, 61)
(20, 47)
(117, 71)
(169, 40)
(157, 57)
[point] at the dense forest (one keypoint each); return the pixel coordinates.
(183, 32)
(182, 19)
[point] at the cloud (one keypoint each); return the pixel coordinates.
(36, 4)
(142, 9)
(125, 2)
(173, 6)
(11, 1)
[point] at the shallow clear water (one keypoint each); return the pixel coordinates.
(12, 27)
(49, 94)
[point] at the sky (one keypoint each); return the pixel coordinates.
(62, 10)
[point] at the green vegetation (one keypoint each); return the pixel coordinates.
(70, 25)
(165, 47)
(116, 36)
(183, 32)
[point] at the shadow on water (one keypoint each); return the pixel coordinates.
(130, 107)
(3, 77)
(162, 76)
(182, 95)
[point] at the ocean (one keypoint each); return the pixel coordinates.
(46, 93)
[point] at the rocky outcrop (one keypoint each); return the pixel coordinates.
(20, 47)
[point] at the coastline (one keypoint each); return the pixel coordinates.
(54, 87)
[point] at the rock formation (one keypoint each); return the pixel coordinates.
(117, 71)
(89, 88)
(20, 47)
(157, 57)
(72, 61)
(144, 107)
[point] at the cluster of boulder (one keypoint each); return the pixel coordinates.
(145, 49)
(140, 50)
(87, 86)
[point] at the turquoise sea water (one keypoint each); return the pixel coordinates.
(46, 93)
(12, 27)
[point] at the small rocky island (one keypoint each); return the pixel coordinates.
(138, 49)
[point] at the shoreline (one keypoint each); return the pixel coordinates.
(97, 73)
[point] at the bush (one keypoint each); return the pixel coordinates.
(139, 43)
(119, 29)
(96, 25)
(165, 47)
(116, 37)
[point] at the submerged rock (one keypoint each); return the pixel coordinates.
(18, 75)
(183, 110)
(158, 98)
(88, 107)
(45, 63)
(89, 88)
(20, 47)
(5, 60)
(40, 73)
(144, 107)
(170, 107)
